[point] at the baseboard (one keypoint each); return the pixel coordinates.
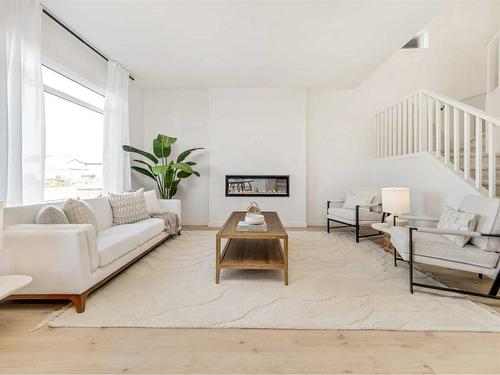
(195, 222)
(317, 223)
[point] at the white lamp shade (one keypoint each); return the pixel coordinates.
(396, 200)
(1, 224)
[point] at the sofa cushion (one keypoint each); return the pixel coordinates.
(369, 191)
(347, 214)
(352, 200)
(487, 211)
(116, 241)
(102, 209)
(112, 246)
(439, 247)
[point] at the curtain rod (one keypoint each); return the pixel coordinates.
(60, 23)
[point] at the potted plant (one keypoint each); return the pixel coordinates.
(166, 173)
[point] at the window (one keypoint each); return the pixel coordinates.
(74, 138)
(421, 40)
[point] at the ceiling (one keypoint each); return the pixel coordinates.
(199, 44)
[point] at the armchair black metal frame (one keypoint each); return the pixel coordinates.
(345, 225)
(495, 286)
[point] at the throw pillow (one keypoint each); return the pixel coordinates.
(351, 201)
(128, 207)
(51, 215)
(152, 202)
(457, 220)
(79, 212)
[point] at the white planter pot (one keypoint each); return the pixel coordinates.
(171, 205)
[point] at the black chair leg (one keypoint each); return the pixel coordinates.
(410, 251)
(495, 286)
(328, 225)
(357, 223)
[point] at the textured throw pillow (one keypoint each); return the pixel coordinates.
(51, 215)
(152, 202)
(128, 207)
(79, 212)
(457, 220)
(351, 201)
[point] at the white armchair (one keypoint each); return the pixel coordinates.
(365, 212)
(429, 245)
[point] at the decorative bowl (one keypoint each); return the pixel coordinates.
(254, 219)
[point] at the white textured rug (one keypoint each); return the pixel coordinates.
(334, 284)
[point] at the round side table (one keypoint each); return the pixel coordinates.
(11, 283)
(386, 229)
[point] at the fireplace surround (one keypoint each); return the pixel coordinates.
(257, 186)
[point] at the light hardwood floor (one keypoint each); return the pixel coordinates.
(140, 350)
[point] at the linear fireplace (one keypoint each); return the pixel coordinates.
(257, 186)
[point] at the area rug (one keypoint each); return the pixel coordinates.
(334, 284)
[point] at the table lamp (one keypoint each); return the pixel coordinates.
(396, 201)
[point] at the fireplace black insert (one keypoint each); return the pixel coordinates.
(257, 186)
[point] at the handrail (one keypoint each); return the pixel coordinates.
(453, 102)
(462, 106)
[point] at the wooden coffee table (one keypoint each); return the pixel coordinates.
(252, 250)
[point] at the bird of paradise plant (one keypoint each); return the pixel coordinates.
(167, 173)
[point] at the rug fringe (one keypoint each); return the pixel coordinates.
(52, 316)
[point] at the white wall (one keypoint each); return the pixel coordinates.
(338, 149)
(478, 101)
(184, 115)
(432, 185)
(258, 131)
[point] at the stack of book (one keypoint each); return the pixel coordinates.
(245, 227)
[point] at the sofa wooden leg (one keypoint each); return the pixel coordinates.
(79, 301)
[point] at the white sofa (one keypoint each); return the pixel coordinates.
(69, 261)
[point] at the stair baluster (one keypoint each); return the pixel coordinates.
(429, 122)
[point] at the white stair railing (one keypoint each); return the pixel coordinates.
(461, 136)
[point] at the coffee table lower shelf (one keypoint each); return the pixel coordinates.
(252, 254)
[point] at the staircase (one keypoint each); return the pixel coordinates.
(462, 137)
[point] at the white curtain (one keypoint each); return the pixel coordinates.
(22, 123)
(116, 162)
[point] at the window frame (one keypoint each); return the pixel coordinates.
(78, 80)
(48, 64)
